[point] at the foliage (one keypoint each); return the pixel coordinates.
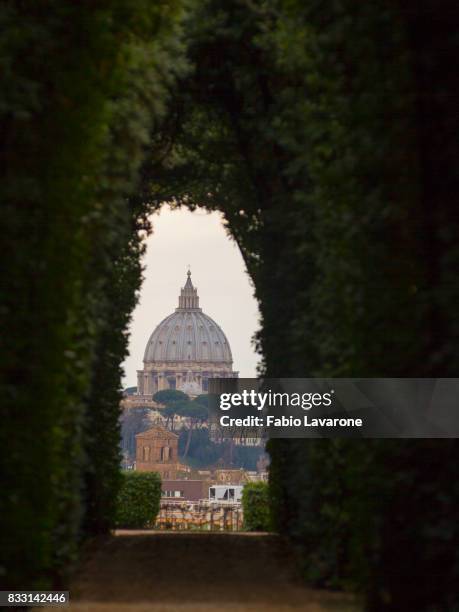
(169, 396)
(133, 421)
(196, 413)
(314, 127)
(255, 505)
(202, 399)
(138, 499)
(83, 87)
(170, 411)
(172, 400)
(202, 451)
(243, 456)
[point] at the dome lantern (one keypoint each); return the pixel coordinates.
(188, 298)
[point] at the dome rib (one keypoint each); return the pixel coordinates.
(169, 339)
(195, 336)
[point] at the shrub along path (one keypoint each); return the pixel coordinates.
(141, 571)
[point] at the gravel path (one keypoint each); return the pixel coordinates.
(143, 571)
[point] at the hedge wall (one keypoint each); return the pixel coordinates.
(374, 515)
(137, 504)
(325, 133)
(83, 87)
(255, 505)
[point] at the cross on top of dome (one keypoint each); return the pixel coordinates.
(188, 299)
(188, 284)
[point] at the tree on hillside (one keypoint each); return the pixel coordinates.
(132, 422)
(171, 400)
(203, 452)
(197, 414)
(169, 412)
(169, 396)
(202, 399)
(200, 409)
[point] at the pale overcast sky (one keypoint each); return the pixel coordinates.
(181, 238)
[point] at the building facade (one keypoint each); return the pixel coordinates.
(185, 350)
(157, 451)
(187, 490)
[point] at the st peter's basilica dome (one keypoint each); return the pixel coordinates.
(185, 349)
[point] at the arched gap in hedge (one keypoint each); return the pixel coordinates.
(199, 239)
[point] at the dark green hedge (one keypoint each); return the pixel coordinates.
(137, 504)
(325, 131)
(373, 294)
(256, 508)
(83, 87)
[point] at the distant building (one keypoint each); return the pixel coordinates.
(184, 351)
(157, 451)
(230, 476)
(188, 490)
(199, 504)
